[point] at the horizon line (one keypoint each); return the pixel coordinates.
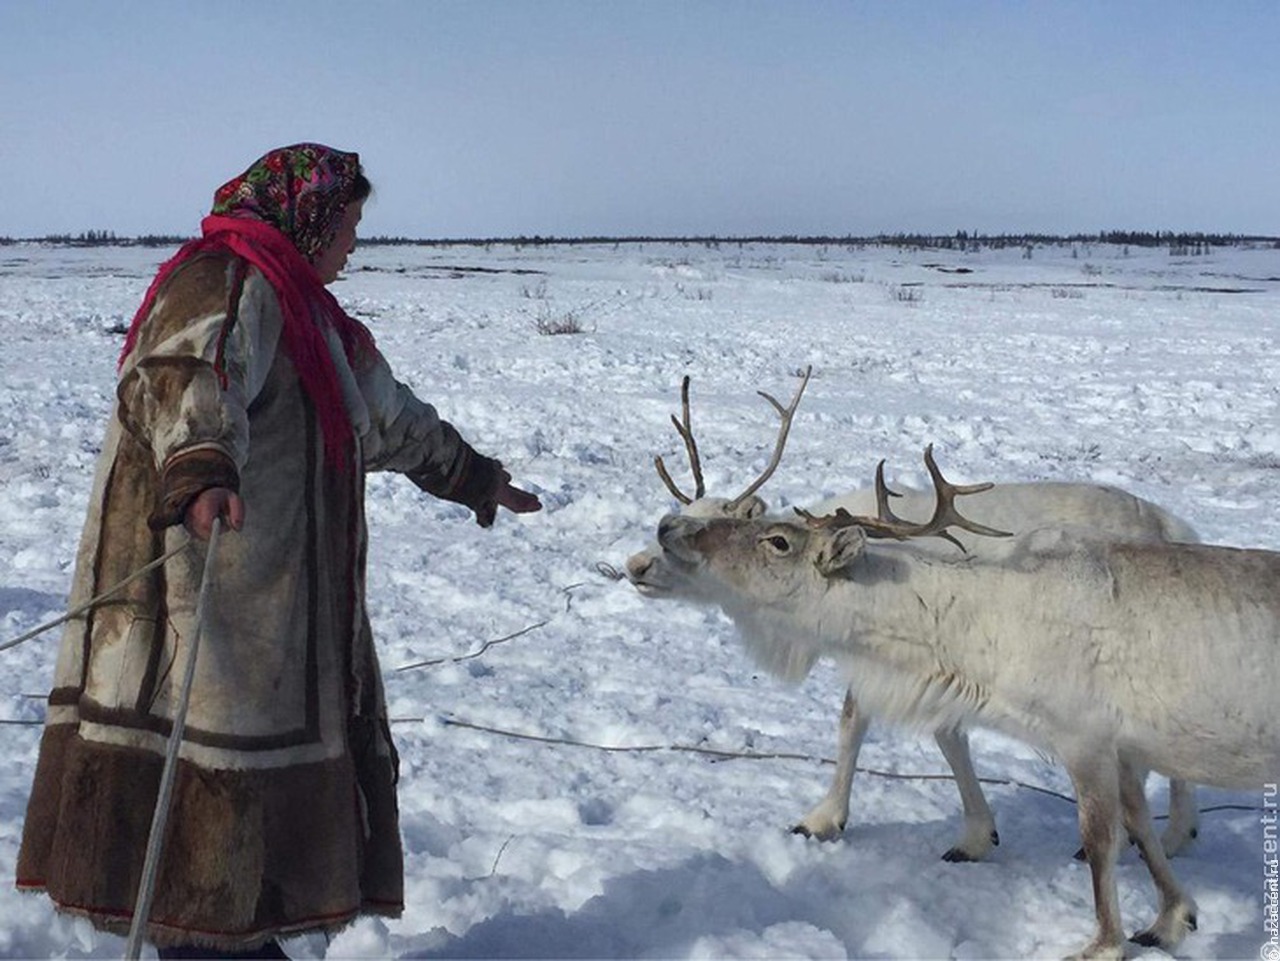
(1113, 236)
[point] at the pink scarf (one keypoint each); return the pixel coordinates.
(305, 303)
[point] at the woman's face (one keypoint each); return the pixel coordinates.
(331, 259)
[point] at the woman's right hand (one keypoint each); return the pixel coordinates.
(209, 505)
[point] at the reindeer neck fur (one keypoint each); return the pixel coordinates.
(910, 629)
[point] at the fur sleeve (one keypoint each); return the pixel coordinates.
(185, 389)
(407, 435)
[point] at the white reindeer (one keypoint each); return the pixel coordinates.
(1013, 507)
(1117, 657)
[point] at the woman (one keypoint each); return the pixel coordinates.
(245, 394)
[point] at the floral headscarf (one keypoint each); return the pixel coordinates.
(300, 190)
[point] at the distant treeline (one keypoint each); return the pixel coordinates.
(100, 238)
(960, 240)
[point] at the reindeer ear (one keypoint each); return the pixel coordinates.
(753, 507)
(839, 548)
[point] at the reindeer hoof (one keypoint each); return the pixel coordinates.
(1100, 951)
(1080, 855)
(823, 832)
(972, 850)
(1167, 933)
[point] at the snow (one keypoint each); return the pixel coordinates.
(1123, 366)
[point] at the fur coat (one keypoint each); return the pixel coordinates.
(284, 813)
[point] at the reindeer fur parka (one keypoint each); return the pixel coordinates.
(284, 814)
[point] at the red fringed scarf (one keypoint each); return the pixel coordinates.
(305, 303)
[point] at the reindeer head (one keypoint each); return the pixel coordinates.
(741, 562)
(647, 569)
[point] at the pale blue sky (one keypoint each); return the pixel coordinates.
(573, 117)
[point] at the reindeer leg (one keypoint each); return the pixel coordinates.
(1177, 911)
(1097, 783)
(827, 820)
(979, 824)
(1184, 818)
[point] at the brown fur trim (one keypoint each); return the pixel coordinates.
(185, 476)
(42, 808)
(248, 856)
(238, 271)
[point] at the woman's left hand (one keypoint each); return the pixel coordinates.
(507, 495)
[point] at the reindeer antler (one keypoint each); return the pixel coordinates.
(685, 430)
(887, 525)
(786, 413)
(882, 498)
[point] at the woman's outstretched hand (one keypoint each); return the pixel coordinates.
(506, 495)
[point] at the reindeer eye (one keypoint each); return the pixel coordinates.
(778, 543)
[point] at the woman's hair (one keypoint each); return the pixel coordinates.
(360, 188)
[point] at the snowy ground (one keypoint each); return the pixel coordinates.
(1133, 368)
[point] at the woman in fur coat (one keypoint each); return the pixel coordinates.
(247, 395)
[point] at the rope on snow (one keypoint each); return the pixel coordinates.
(726, 755)
(95, 601)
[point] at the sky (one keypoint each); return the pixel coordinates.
(566, 118)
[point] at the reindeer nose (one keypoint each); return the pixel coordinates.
(638, 565)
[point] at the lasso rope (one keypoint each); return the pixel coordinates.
(720, 754)
(95, 601)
